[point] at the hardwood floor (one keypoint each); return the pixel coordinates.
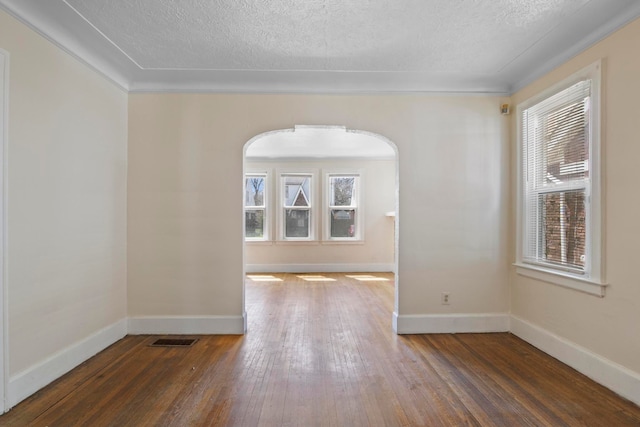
(322, 353)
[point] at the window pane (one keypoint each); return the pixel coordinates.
(296, 223)
(565, 142)
(254, 191)
(297, 191)
(343, 223)
(254, 223)
(563, 228)
(342, 190)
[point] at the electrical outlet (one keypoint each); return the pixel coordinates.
(445, 299)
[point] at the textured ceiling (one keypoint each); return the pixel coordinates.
(478, 37)
(490, 46)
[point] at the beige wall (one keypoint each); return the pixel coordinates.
(70, 201)
(378, 196)
(185, 198)
(66, 256)
(606, 326)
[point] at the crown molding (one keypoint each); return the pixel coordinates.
(67, 30)
(598, 34)
(63, 26)
(313, 82)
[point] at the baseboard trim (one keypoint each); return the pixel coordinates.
(29, 381)
(450, 323)
(319, 268)
(188, 325)
(615, 377)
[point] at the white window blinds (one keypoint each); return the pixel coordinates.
(556, 163)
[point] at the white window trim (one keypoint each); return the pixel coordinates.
(592, 280)
(266, 232)
(313, 209)
(326, 209)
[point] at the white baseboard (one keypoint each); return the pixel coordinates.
(611, 375)
(188, 325)
(450, 323)
(25, 383)
(319, 268)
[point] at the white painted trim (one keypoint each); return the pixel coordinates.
(610, 374)
(31, 380)
(598, 34)
(4, 306)
(314, 208)
(565, 280)
(39, 19)
(72, 33)
(312, 82)
(268, 208)
(319, 268)
(592, 282)
(450, 323)
(330, 158)
(187, 325)
(360, 179)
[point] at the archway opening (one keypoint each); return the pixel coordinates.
(320, 199)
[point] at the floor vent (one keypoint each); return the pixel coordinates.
(173, 342)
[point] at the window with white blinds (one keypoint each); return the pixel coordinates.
(559, 153)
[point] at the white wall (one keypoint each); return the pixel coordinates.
(378, 197)
(67, 173)
(185, 199)
(606, 327)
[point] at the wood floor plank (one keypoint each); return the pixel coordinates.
(322, 353)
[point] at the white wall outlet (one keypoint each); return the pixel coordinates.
(445, 299)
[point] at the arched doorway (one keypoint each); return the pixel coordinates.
(291, 177)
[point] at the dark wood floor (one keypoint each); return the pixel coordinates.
(322, 353)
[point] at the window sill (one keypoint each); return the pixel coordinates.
(259, 242)
(303, 242)
(342, 242)
(589, 286)
(297, 242)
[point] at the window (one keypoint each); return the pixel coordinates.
(255, 207)
(297, 205)
(559, 216)
(300, 218)
(343, 221)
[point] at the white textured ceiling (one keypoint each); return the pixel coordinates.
(337, 35)
(318, 142)
(491, 46)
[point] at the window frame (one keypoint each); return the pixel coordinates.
(356, 204)
(591, 279)
(266, 229)
(311, 208)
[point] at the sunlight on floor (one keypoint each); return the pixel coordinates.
(316, 278)
(367, 278)
(263, 278)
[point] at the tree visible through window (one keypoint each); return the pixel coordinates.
(342, 206)
(295, 211)
(255, 206)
